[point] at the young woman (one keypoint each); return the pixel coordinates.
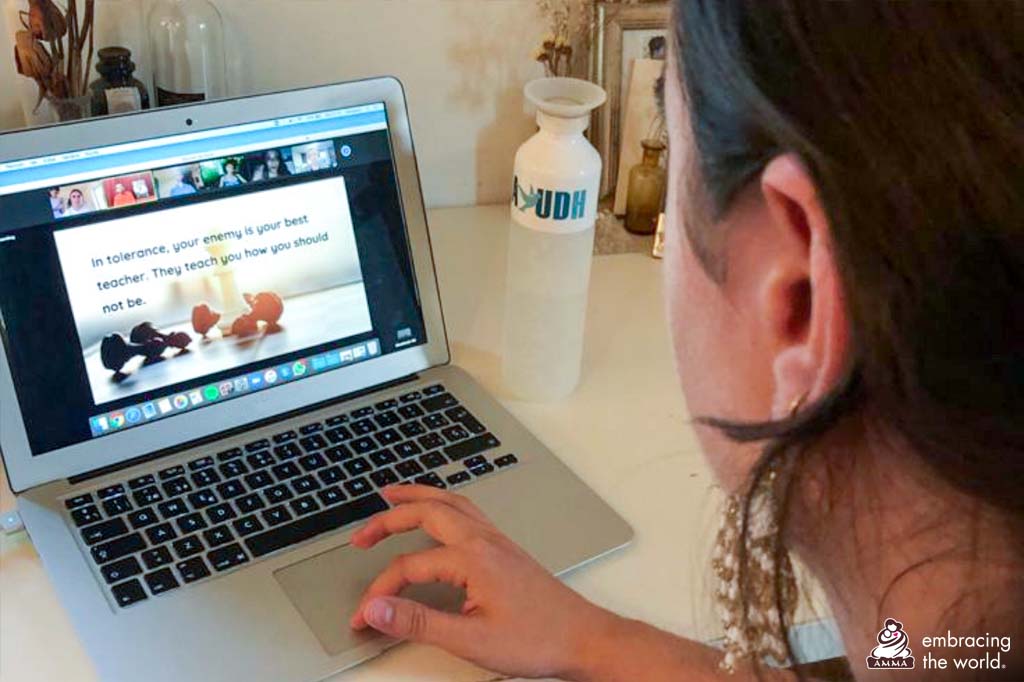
(845, 270)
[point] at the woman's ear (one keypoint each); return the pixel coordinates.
(803, 295)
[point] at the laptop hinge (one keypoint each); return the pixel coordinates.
(166, 452)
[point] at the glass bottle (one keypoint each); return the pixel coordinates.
(117, 91)
(646, 197)
(187, 39)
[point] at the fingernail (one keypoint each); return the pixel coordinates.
(379, 613)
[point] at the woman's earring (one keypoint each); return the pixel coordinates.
(760, 635)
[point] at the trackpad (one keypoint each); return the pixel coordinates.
(326, 588)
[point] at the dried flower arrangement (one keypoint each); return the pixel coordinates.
(49, 50)
(571, 26)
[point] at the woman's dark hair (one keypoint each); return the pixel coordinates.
(910, 118)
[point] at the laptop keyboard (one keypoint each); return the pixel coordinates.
(187, 523)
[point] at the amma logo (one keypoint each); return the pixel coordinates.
(550, 204)
(893, 650)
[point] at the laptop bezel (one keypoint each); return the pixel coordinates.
(25, 470)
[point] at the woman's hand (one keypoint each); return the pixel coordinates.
(517, 619)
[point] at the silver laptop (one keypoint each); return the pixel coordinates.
(221, 336)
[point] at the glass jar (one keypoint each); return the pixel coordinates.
(117, 91)
(645, 199)
(187, 39)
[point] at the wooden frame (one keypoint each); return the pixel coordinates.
(612, 21)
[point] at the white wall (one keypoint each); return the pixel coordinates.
(463, 62)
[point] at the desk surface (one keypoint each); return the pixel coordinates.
(624, 431)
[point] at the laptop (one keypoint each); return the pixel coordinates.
(221, 336)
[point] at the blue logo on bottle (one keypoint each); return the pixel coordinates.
(550, 204)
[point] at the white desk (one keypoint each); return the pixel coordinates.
(624, 432)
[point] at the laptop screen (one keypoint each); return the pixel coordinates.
(142, 281)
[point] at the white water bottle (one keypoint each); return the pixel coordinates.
(551, 242)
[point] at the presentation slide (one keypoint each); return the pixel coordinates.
(173, 295)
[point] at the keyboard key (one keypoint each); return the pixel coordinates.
(190, 523)
(285, 436)
(141, 482)
(78, 501)
(409, 467)
(193, 569)
(458, 478)
(187, 546)
(157, 557)
(363, 445)
(227, 557)
(285, 470)
(315, 524)
(455, 433)
(260, 460)
(384, 477)
(383, 457)
(385, 419)
(203, 499)
(110, 491)
(439, 402)
(411, 411)
(201, 463)
(410, 429)
(332, 495)
(305, 484)
(431, 479)
(247, 525)
(312, 462)
(388, 437)
(304, 505)
(249, 503)
(258, 480)
(505, 460)
(331, 475)
(256, 445)
(433, 390)
(471, 424)
(119, 570)
(172, 508)
(233, 469)
(474, 461)
(457, 413)
(407, 449)
(220, 513)
(128, 593)
(362, 412)
(148, 495)
(357, 466)
(473, 446)
(337, 419)
(117, 505)
(160, 534)
(107, 530)
(435, 421)
(278, 493)
(482, 469)
(288, 451)
(409, 397)
(205, 477)
(229, 454)
(115, 549)
(388, 404)
(172, 472)
(357, 486)
(230, 489)
(277, 515)
(363, 427)
(217, 536)
(432, 460)
(339, 435)
(313, 443)
(85, 515)
(161, 581)
(177, 486)
(142, 518)
(339, 453)
(431, 441)
(315, 427)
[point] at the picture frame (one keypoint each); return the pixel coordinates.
(622, 34)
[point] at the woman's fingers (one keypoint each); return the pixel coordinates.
(439, 564)
(401, 494)
(440, 521)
